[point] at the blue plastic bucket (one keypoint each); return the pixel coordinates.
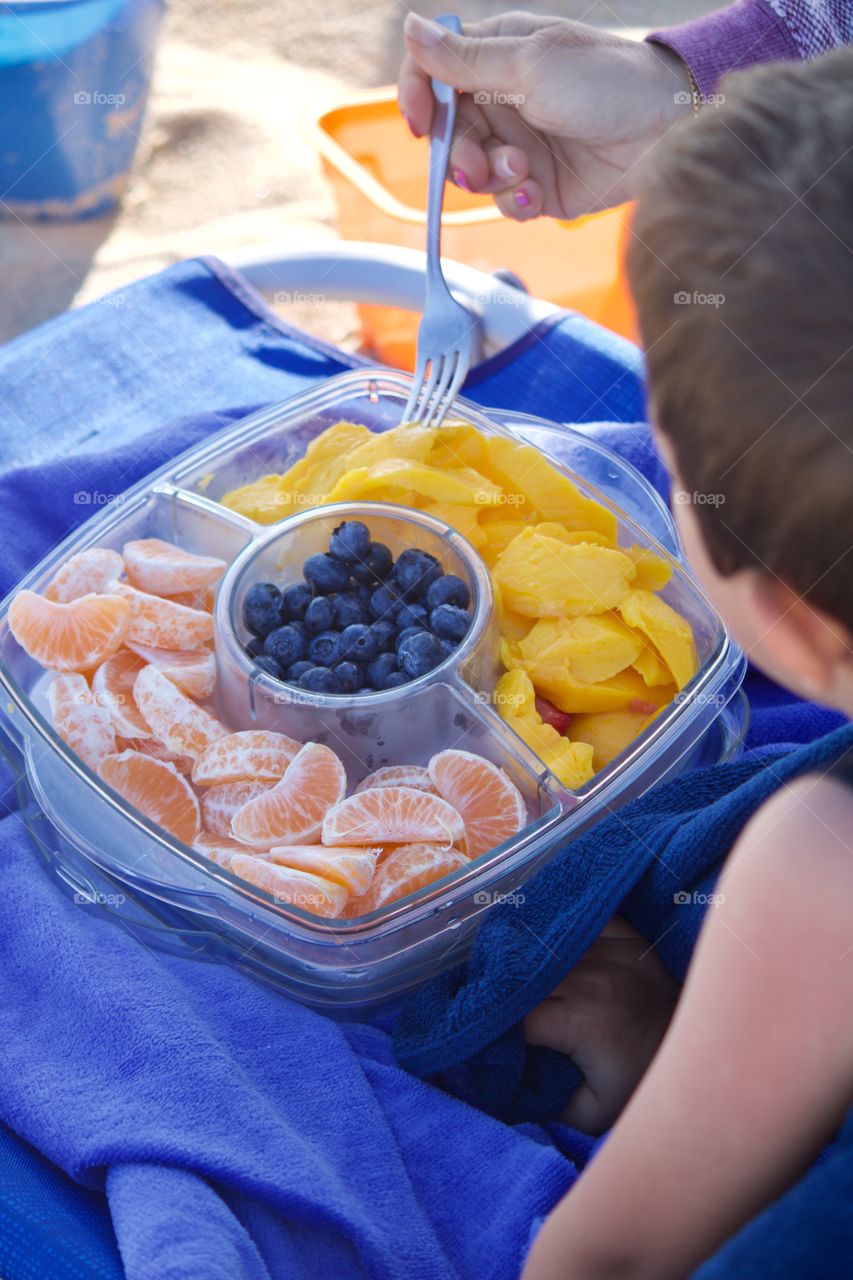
(74, 77)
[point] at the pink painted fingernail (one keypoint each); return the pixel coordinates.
(422, 30)
(460, 179)
(522, 199)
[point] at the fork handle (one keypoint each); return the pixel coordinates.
(441, 136)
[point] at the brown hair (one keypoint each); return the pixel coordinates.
(741, 266)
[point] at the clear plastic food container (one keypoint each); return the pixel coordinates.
(175, 897)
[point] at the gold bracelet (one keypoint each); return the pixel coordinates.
(695, 93)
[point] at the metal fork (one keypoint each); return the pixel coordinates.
(445, 336)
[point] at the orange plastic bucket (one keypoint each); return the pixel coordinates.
(378, 174)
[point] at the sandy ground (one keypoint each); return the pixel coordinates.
(222, 163)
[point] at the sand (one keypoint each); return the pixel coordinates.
(222, 163)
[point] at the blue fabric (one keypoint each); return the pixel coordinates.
(230, 1132)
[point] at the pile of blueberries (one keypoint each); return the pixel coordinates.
(360, 621)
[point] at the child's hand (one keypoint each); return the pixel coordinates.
(554, 116)
(609, 1016)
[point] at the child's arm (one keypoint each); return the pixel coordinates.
(755, 1073)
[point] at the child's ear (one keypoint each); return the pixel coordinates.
(799, 638)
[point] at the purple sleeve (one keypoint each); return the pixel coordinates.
(753, 31)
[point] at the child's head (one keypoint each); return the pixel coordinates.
(741, 265)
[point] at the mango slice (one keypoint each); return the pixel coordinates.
(262, 500)
(668, 632)
(652, 667)
(653, 572)
(609, 732)
(545, 578)
(456, 485)
(461, 518)
(457, 444)
(497, 535)
(590, 648)
(521, 468)
(570, 762)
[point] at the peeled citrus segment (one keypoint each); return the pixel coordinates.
(392, 815)
(251, 754)
(69, 637)
(94, 570)
(164, 624)
(312, 893)
(192, 670)
(164, 569)
(203, 599)
(352, 867)
(151, 747)
(491, 805)
(173, 718)
(219, 804)
(157, 790)
(292, 811)
(398, 775)
(218, 848)
(407, 869)
(80, 720)
(112, 685)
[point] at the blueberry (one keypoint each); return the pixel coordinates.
(325, 649)
(255, 647)
(320, 615)
(380, 669)
(419, 654)
(269, 665)
(384, 602)
(295, 600)
(359, 643)
(298, 624)
(375, 566)
(448, 590)
(404, 635)
(412, 615)
(320, 680)
(286, 645)
(350, 542)
(395, 679)
(326, 574)
(297, 670)
(415, 571)
(350, 675)
(449, 622)
(348, 610)
(386, 634)
(262, 608)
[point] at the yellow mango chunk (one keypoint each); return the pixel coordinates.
(262, 500)
(461, 518)
(521, 468)
(457, 444)
(652, 667)
(553, 530)
(591, 648)
(653, 572)
(460, 485)
(623, 692)
(608, 732)
(326, 459)
(668, 632)
(570, 762)
(497, 535)
(544, 578)
(408, 441)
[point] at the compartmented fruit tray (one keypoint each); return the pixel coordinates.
(318, 694)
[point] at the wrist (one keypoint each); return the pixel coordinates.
(676, 87)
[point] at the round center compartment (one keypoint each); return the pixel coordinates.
(368, 728)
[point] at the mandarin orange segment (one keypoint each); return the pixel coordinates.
(196, 599)
(292, 811)
(352, 867)
(163, 624)
(164, 569)
(151, 747)
(392, 815)
(192, 670)
(173, 718)
(69, 637)
(79, 719)
(94, 570)
(219, 804)
(407, 869)
(491, 805)
(112, 685)
(251, 753)
(157, 790)
(398, 775)
(312, 893)
(219, 849)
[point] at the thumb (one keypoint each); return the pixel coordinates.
(465, 62)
